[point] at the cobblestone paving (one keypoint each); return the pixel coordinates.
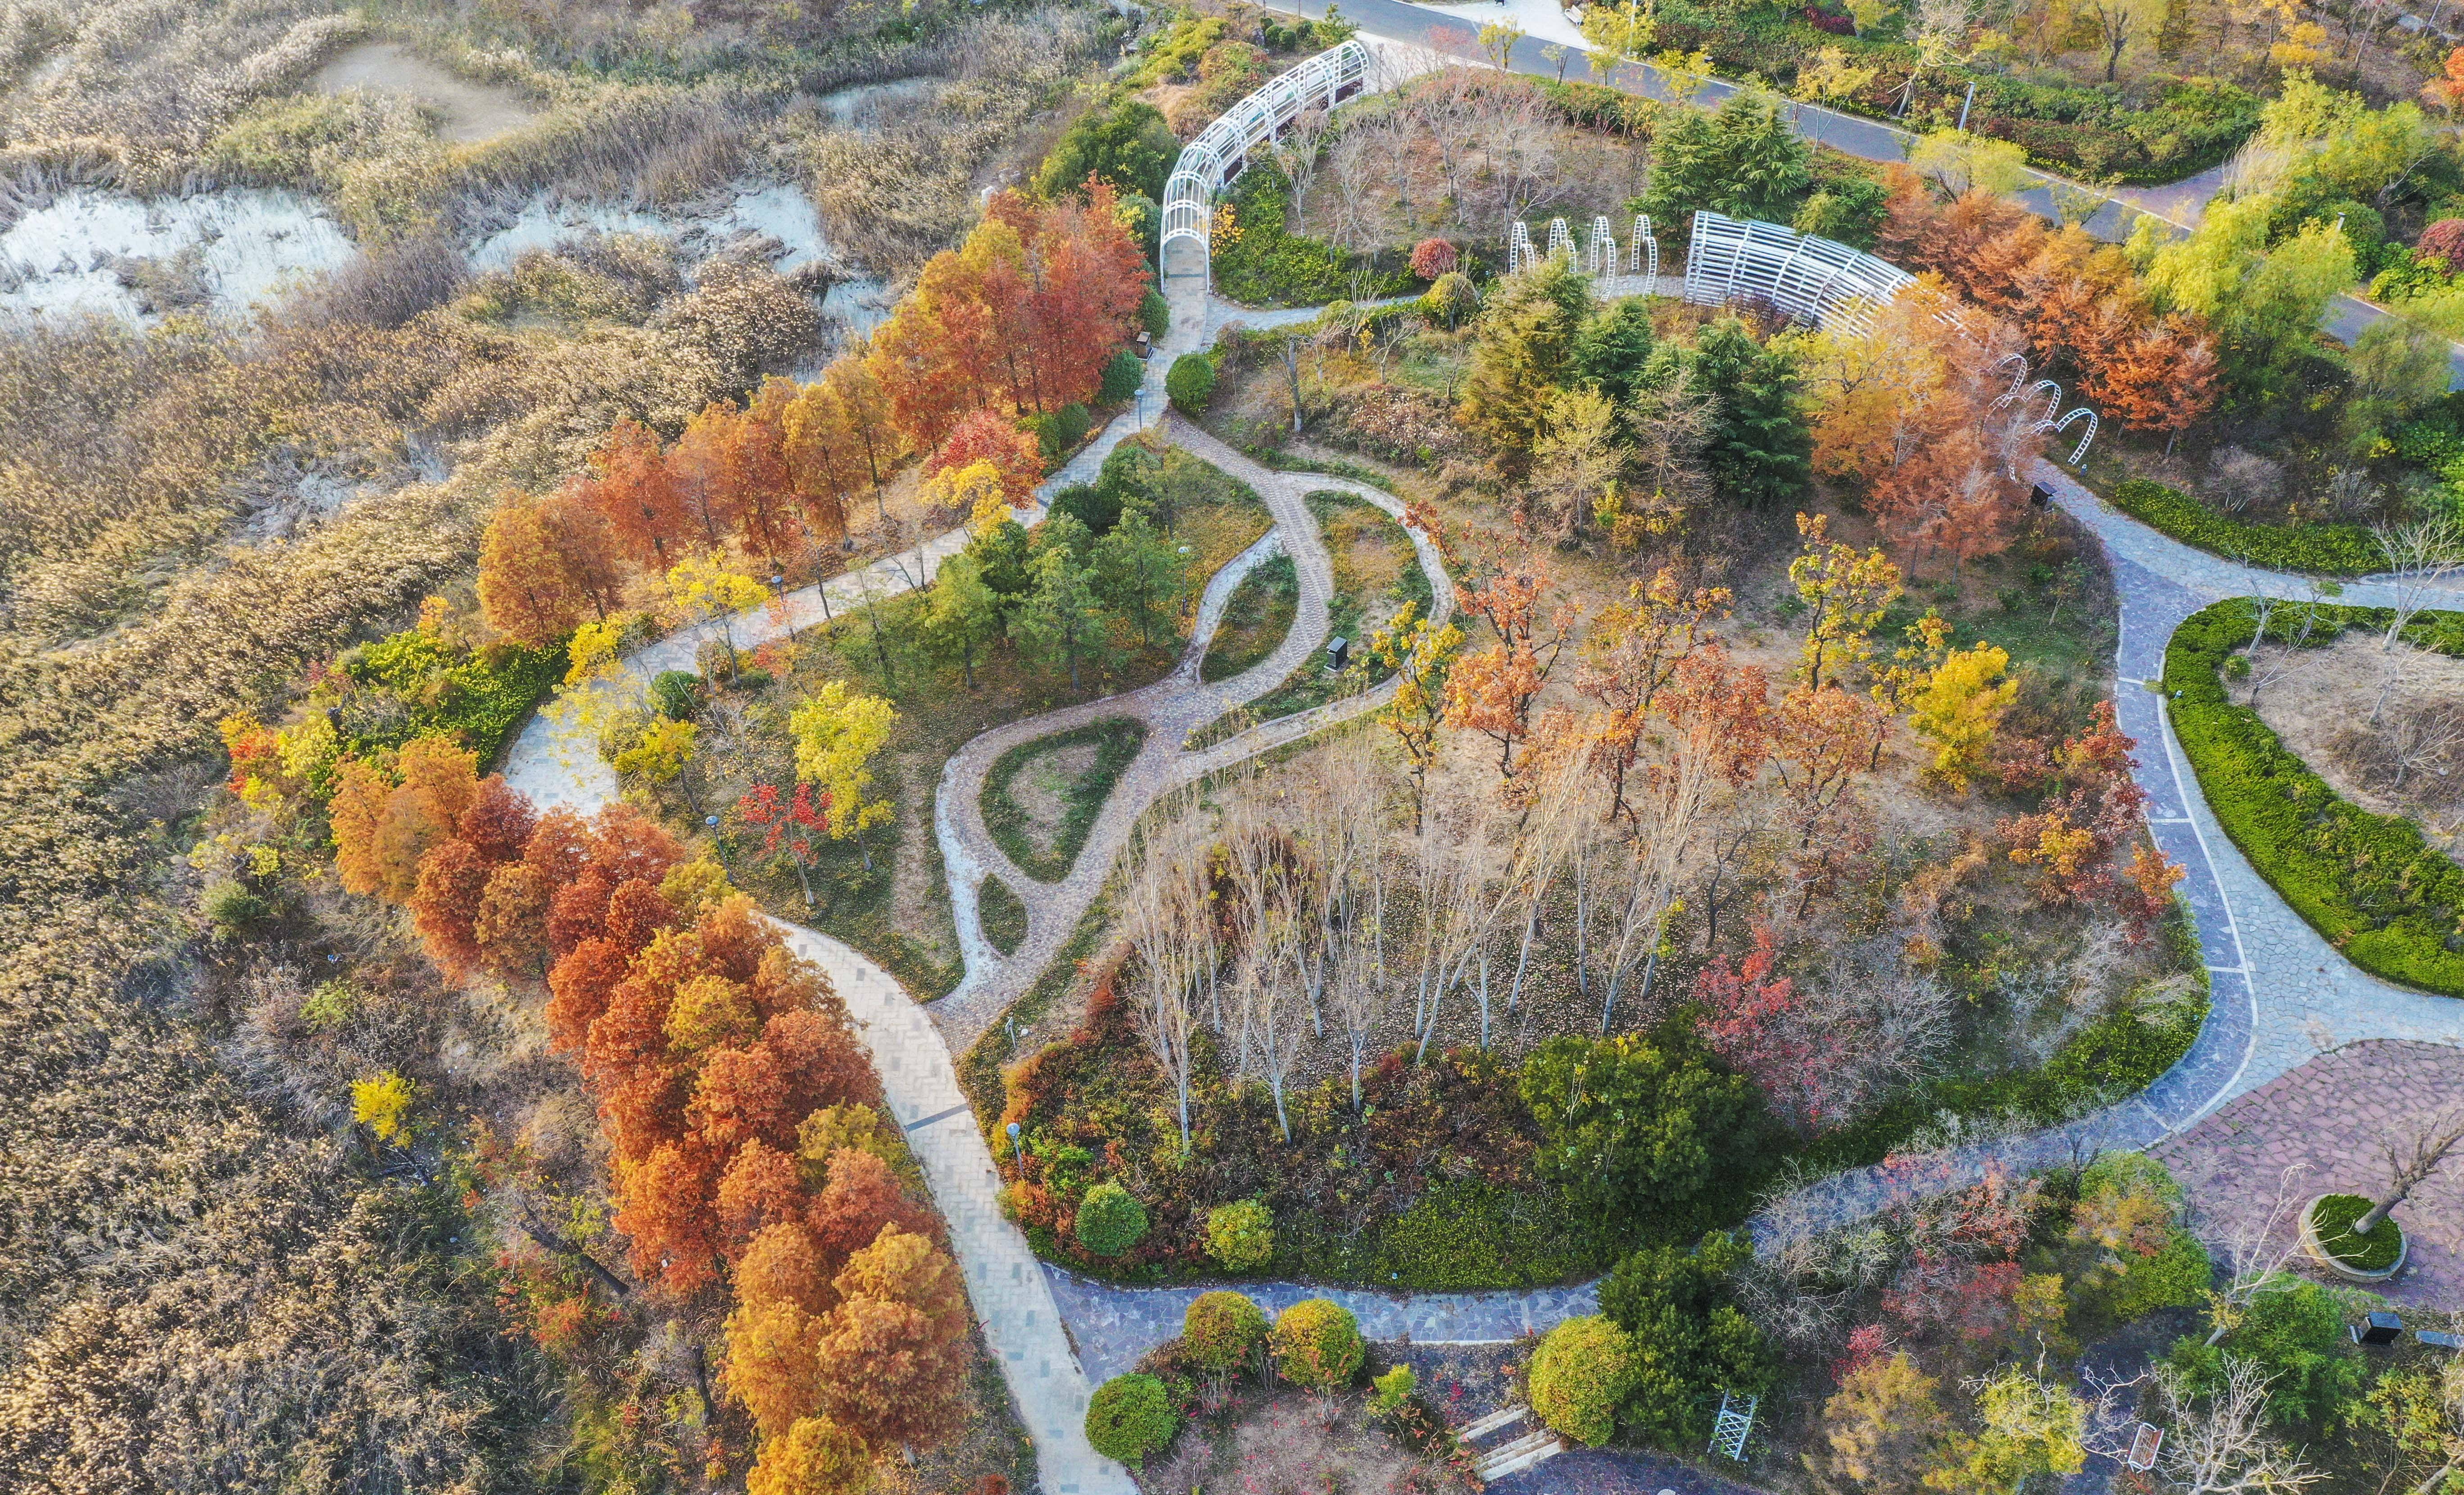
(2333, 1116)
(1113, 1325)
(1172, 708)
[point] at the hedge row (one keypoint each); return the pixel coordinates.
(2369, 883)
(2322, 549)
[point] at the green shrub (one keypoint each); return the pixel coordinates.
(1222, 1329)
(231, 909)
(1241, 1236)
(1583, 1370)
(676, 692)
(2327, 549)
(1691, 1341)
(1318, 1345)
(1393, 1389)
(1058, 432)
(2176, 1276)
(1653, 1127)
(2333, 1221)
(1123, 372)
(1128, 144)
(413, 683)
(2297, 1335)
(1130, 1416)
(2368, 883)
(1154, 315)
(1265, 263)
(1191, 381)
(1110, 1220)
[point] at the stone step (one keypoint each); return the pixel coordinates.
(1532, 1448)
(1481, 1427)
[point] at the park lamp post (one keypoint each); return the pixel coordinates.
(779, 589)
(1018, 1151)
(711, 821)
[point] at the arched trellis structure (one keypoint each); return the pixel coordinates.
(1813, 280)
(1826, 284)
(1222, 150)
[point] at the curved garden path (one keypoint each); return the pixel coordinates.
(2281, 994)
(1171, 708)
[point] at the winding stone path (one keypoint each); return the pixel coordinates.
(1171, 708)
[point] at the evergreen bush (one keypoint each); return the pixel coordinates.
(1130, 1416)
(1110, 1220)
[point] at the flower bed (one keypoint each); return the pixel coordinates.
(2369, 883)
(2323, 549)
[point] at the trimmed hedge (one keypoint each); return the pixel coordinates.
(2369, 883)
(2325, 549)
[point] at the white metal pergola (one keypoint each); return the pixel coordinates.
(1815, 281)
(1223, 148)
(1826, 284)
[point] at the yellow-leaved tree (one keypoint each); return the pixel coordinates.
(838, 734)
(705, 589)
(976, 491)
(1845, 593)
(1421, 654)
(1959, 708)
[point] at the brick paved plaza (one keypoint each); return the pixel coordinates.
(2335, 1114)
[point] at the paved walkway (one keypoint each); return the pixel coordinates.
(1113, 1325)
(1172, 708)
(2333, 1116)
(1452, 30)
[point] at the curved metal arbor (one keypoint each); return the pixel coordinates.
(1824, 284)
(1813, 280)
(1222, 150)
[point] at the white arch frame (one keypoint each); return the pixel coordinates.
(1223, 148)
(1813, 280)
(1825, 284)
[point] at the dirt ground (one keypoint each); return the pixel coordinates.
(2410, 762)
(1042, 789)
(467, 111)
(1291, 1443)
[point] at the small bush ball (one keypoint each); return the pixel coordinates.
(1130, 1416)
(1433, 258)
(1190, 383)
(1582, 1371)
(1221, 1330)
(1110, 1220)
(1123, 373)
(1317, 1344)
(1241, 1236)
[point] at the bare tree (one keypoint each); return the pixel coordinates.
(1451, 876)
(2412, 1158)
(2242, 476)
(2217, 1440)
(1301, 149)
(1165, 914)
(2421, 555)
(1356, 988)
(1270, 982)
(1557, 803)
(2257, 1249)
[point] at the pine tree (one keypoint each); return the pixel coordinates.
(1136, 573)
(1061, 616)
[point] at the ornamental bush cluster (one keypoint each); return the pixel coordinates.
(2369, 883)
(2325, 549)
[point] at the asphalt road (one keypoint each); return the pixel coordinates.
(2347, 317)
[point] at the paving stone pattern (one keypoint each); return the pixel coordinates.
(2282, 996)
(1113, 1325)
(2332, 1118)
